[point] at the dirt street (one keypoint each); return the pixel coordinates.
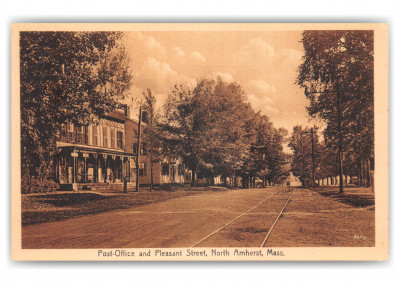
(232, 218)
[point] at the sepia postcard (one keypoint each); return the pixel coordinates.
(199, 142)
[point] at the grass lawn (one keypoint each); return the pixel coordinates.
(40, 208)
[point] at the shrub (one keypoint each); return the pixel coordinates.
(34, 185)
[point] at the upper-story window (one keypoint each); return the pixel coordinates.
(82, 134)
(95, 135)
(113, 137)
(70, 132)
(134, 148)
(105, 136)
(120, 139)
(143, 149)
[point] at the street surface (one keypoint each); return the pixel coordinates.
(232, 218)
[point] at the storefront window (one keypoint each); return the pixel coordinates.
(81, 170)
(66, 168)
(91, 173)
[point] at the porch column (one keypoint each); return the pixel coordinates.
(95, 172)
(85, 170)
(74, 171)
(58, 170)
(114, 171)
(128, 169)
(85, 167)
(105, 168)
(123, 168)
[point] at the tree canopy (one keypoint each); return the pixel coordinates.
(337, 75)
(66, 77)
(218, 133)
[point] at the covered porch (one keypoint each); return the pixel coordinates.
(82, 168)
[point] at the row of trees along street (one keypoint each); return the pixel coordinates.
(217, 133)
(338, 80)
(73, 77)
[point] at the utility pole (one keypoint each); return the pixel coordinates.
(340, 138)
(138, 149)
(312, 157)
(340, 142)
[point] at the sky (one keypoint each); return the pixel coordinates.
(264, 63)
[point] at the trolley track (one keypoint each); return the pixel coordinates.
(215, 232)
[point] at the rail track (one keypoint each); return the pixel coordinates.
(248, 211)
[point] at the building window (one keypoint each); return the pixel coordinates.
(105, 136)
(82, 134)
(180, 170)
(64, 131)
(134, 148)
(120, 140)
(66, 170)
(112, 138)
(70, 132)
(165, 169)
(81, 170)
(142, 169)
(95, 136)
(143, 149)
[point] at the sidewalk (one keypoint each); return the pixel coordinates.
(55, 206)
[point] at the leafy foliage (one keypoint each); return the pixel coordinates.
(65, 78)
(152, 131)
(218, 133)
(337, 75)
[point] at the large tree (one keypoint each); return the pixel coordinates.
(338, 79)
(267, 158)
(218, 133)
(301, 160)
(66, 77)
(152, 138)
(208, 127)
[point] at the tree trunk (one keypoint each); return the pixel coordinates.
(362, 173)
(370, 175)
(151, 175)
(340, 143)
(194, 167)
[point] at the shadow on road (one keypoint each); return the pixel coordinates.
(354, 196)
